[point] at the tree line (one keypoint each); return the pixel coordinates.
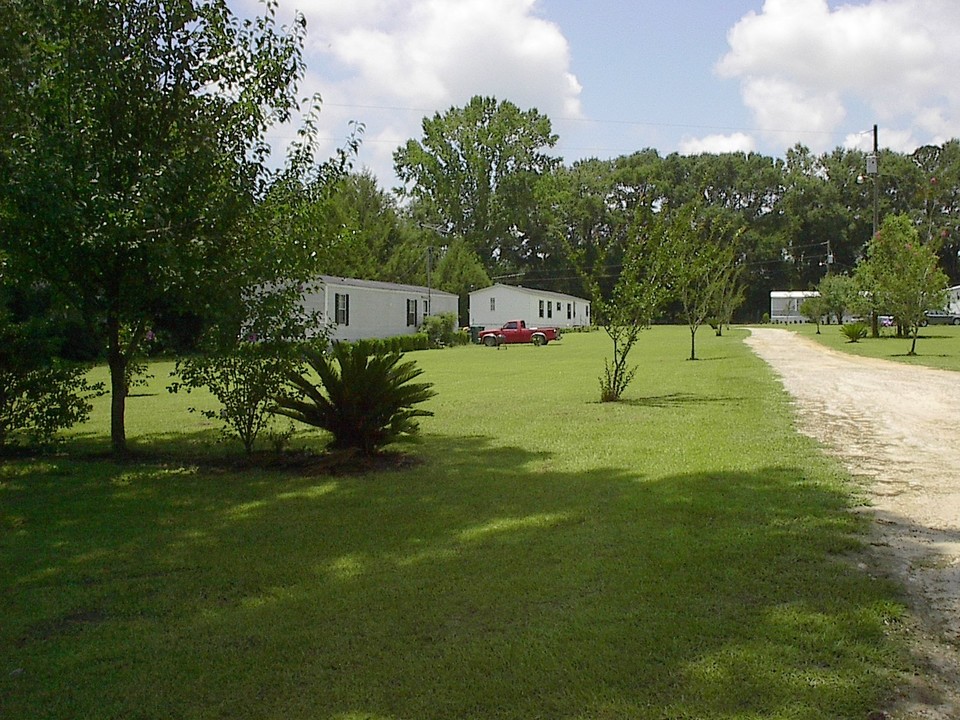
(507, 210)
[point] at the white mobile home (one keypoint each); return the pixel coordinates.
(491, 307)
(363, 309)
(953, 299)
(785, 305)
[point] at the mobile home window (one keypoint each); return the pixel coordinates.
(493, 304)
(341, 307)
(549, 309)
(569, 311)
(541, 308)
(411, 312)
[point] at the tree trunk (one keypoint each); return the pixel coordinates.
(693, 343)
(117, 362)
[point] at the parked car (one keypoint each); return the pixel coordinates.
(516, 331)
(940, 317)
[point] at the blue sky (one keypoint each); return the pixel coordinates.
(616, 76)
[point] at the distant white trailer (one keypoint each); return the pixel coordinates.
(785, 305)
(953, 299)
(492, 306)
(364, 309)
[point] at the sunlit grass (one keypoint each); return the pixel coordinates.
(680, 554)
(937, 345)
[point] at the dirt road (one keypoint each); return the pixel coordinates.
(898, 428)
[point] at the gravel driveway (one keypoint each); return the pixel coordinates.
(898, 428)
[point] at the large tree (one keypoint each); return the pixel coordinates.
(474, 171)
(138, 156)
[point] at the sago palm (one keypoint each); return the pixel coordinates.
(364, 399)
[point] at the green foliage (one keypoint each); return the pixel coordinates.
(473, 172)
(814, 308)
(138, 157)
(36, 404)
(701, 259)
(901, 274)
(39, 394)
(244, 380)
(365, 398)
(855, 331)
(245, 375)
(837, 293)
(442, 330)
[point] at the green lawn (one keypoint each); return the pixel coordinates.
(937, 345)
(682, 554)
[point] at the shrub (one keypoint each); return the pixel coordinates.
(36, 404)
(244, 380)
(365, 398)
(854, 332)
(39, 395)
(442, 330)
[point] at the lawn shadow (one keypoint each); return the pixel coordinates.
(678, 399)
(481, 583)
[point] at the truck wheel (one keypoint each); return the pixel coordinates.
(539, 339)
(490, 340)
(956, 321)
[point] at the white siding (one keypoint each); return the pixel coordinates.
(493, 306)
(376, 310)
(953, 299)
(785, 305)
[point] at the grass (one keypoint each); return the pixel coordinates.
(938, 346)
(682, 554)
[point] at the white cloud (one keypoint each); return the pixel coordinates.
(804, 65)
(389, 63)
(737, 142)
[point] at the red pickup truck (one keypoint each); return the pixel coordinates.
(516, 331)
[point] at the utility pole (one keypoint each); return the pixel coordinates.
(873, 169)
(429, 287)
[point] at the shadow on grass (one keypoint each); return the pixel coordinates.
(676, 400)
(477, 585)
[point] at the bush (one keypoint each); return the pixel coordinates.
(39, 395)
(245, 380)
(441, 330)
(365, 398)
(36, 404)
(854, 332)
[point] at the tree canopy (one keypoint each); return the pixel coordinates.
(474, 172)
(137, 154)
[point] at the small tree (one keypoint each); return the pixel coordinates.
(838, 293)
(730, 297)
(639, 293)
(814, 308)
(244, 380)
(246, 375)
(701, 266)
(903, 275)
(365, 399)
